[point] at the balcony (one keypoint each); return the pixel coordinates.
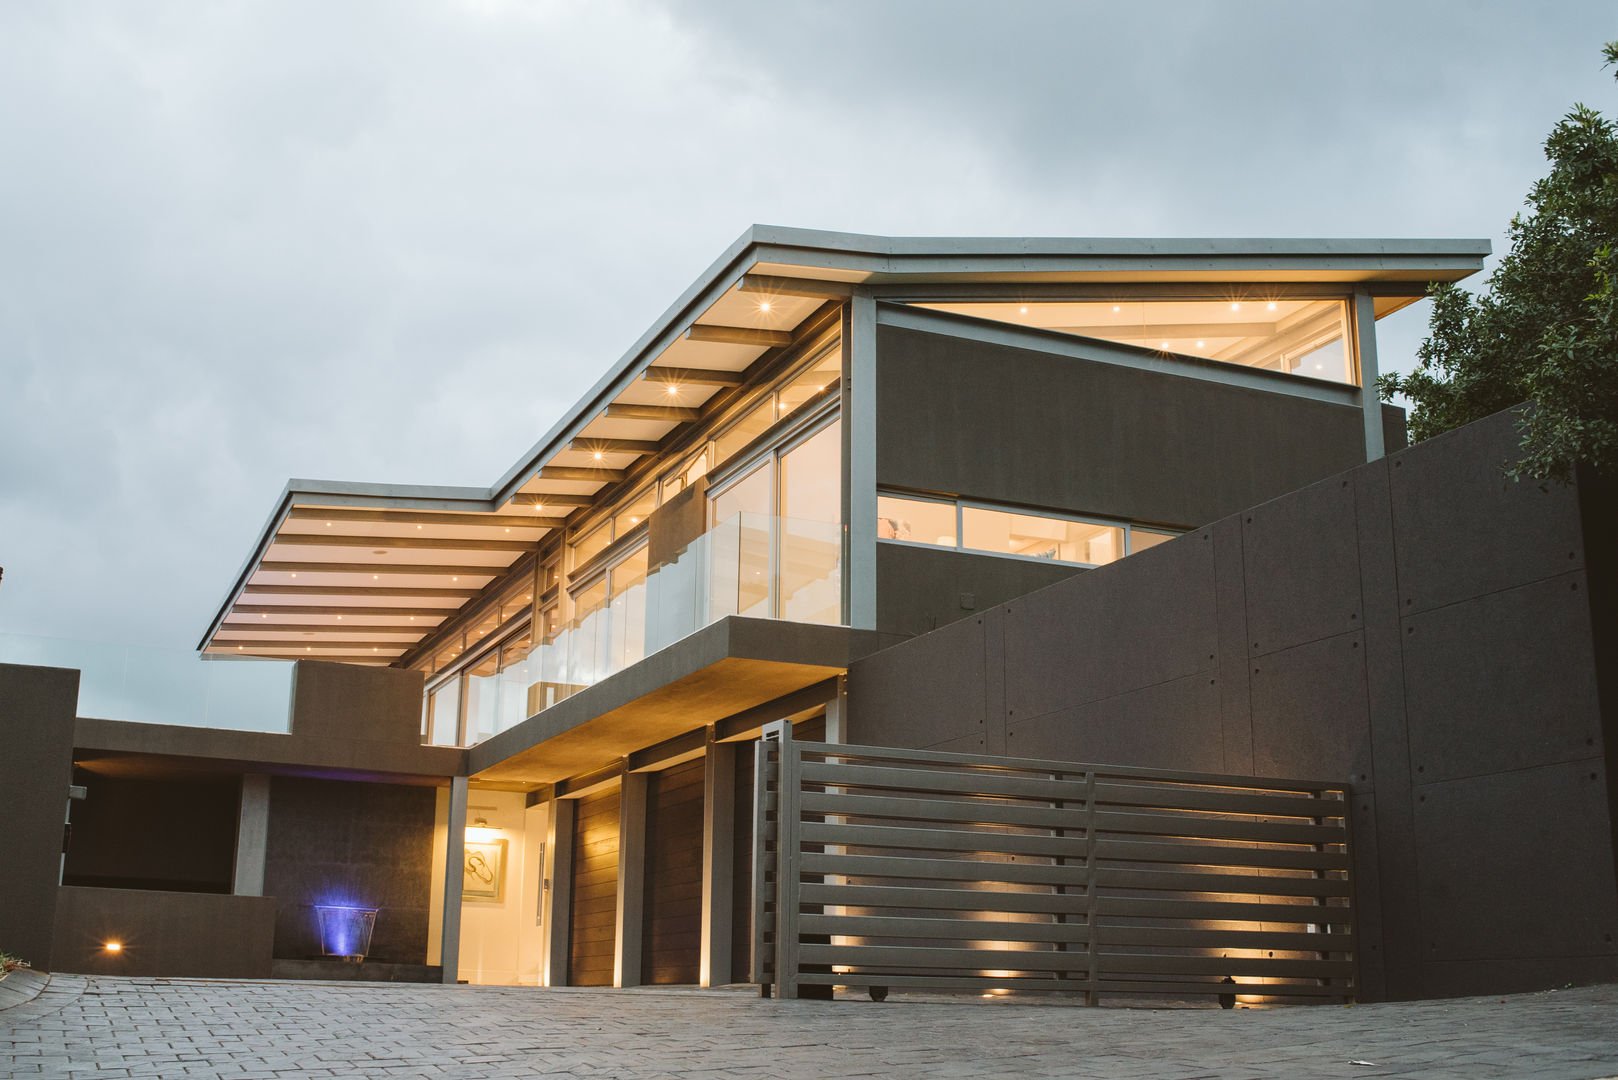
(752, 565)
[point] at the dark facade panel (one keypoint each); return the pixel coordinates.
(350, 843)
(1302, 567)
(919, 589)
(1506, 873)
(1502, 681)
(194, 935)
(923, 695)
(1172, 725)
(1145, 620)
(593, 912)
(1310, 713)
(351, 703)
(996, 422)
(1450, 490)
(37, 707)
(671, 941)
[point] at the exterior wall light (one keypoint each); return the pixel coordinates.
(345, 932)
(113, 946)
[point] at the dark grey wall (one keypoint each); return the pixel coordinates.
(362, 844)
(352, 703)
(995, 422)
(1417, 626)
(195, 935)
(175, 833)
(920, 589)
(36, 760)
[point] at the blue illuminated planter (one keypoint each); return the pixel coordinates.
(345, 931)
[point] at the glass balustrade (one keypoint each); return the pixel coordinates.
(750, 564)
(165, 686)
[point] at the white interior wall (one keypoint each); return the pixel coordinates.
(500, 940)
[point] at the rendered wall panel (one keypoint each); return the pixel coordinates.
(1301, 567)
(1171, 725)
(1450, 488)
(1148, 619)
(1310, 713)
(37, 707)
(925, 696)
(1501, 680)
(192, 935)
(1505, 872)
(920, 589)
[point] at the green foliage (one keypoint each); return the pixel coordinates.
(1546, 331)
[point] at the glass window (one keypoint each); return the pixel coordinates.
(916, 520)
(751, 494)
(745, 430)
(446, 713)
(1039, 537)
(516, 605)
(627, 604)
(812, 384)
(1300, 337)
(811, 530)
(636, 510)
(448, 653)
(482, 698)
(591, 544)
(1141, 539)
(742, 515)
(487, 623)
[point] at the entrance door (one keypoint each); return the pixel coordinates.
(672, 937)
(593, 913)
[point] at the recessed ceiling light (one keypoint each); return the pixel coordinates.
(598, 455)
(1235, 307)
(1025, 311)
(1115, 307)
(1271, 305)
(1199, 344)
(764, 306)
(673, 389)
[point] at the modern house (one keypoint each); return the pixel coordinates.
(828, 446)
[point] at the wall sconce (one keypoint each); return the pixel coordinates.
(480, 831)
(113, 946)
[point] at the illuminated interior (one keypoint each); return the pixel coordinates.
(1298, 337)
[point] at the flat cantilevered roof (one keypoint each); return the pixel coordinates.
(362, 573)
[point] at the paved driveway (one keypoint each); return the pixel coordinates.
(94, 1026)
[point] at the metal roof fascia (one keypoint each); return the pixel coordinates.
(623, 372)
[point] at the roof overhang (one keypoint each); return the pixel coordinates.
(363, 573)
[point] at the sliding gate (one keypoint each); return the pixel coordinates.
(911, 869)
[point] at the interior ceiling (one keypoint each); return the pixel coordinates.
(365, 581)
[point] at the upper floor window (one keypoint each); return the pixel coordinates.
(1278, 333)
(994, 531)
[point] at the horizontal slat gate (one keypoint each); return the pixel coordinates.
(899, 868)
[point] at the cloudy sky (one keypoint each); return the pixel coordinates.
(393, 241)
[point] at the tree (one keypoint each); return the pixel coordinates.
(1546, 331)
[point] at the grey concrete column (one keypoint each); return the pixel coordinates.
(558, 899)
(859, 460)
(252, 835)
(454, 871)
(1364, 324)
(718, 860)
(837, 713)
(627, 931)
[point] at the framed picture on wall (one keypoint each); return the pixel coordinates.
(484, 871)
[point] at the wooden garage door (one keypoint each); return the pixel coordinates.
(595, 890)
(672, 938)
